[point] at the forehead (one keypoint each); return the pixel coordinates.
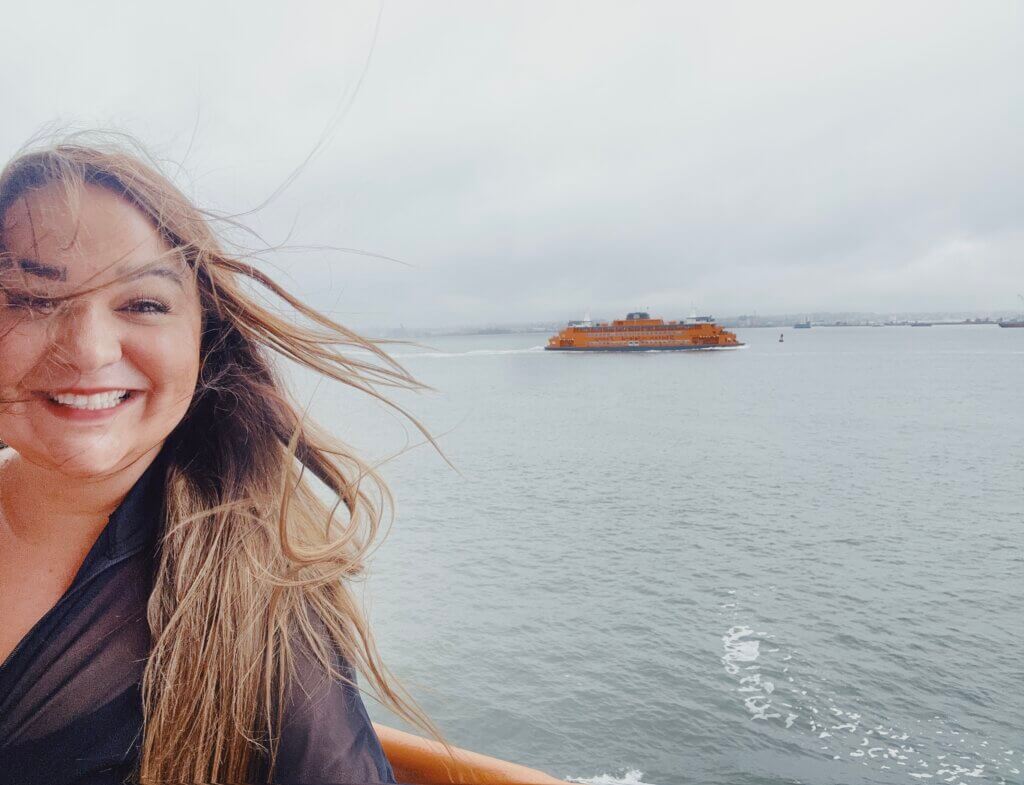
(90, 235)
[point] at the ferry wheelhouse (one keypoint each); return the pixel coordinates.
(639, 332)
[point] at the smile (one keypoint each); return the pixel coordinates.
(108, 399)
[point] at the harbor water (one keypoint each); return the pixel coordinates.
(795, 562)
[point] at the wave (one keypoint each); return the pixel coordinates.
(778, 686)
(631, 777)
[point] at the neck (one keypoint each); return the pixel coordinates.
(44, 509)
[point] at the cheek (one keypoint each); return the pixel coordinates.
(169, 360)
(23, 347)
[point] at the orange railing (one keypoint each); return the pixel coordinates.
(425, 762)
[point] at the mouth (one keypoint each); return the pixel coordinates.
(91, 402)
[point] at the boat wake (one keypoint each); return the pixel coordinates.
(447, 355)
(778, 687)
(630, 777)
(475, 353)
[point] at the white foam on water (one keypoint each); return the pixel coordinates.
(779, 673)
(631, 777)
(738, 648)
(895, 750)
(759, 706)
(489, 352)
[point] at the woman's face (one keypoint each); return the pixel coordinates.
(90, 384)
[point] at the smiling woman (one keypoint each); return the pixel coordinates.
(174, 592)
(101, 344)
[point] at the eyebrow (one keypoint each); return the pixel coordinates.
(155, 268)
(56, 273)
(48, 271)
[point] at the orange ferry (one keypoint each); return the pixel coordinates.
(639, 332)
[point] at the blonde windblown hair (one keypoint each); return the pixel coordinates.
(252, 563)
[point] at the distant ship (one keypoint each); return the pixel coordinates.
(639, 332)
(802, 325)
(1018, 322)
(1013, 322)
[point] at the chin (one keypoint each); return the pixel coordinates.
(85, 465)
(85, 458)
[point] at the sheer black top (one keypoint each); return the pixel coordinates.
(70, 699)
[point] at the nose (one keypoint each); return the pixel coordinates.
(87, 339)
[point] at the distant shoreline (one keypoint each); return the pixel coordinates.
(743, 322)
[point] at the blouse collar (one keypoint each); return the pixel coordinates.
(136, 519)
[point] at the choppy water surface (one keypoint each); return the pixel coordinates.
(794, 562)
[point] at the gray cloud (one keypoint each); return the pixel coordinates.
(533, 160)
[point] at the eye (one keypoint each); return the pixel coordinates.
(33, 304)
(147, 305)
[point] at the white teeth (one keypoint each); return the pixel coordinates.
(104, 400)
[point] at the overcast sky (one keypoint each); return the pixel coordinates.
(537, 160)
